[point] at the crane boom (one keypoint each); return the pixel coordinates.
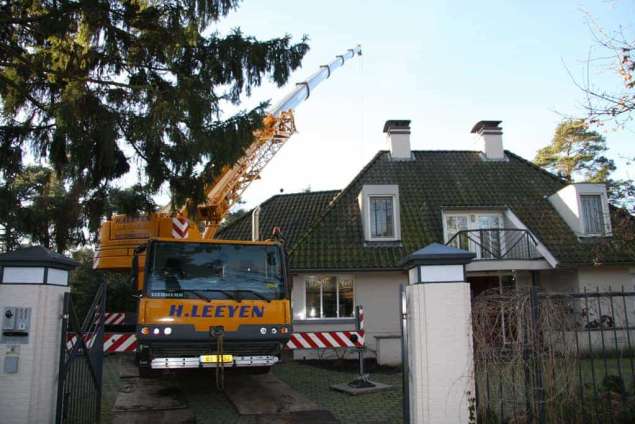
(278, 127)
(121, 235)
(303, 89)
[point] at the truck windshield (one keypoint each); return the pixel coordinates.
(215, 271)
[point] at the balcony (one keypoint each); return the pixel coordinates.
(497, 244)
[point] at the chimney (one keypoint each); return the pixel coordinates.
(398, 137)
(492, 136)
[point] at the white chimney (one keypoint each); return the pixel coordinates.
(492, 136)
(398, 137)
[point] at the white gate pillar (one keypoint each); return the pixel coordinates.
(33, 281)
(440, 355)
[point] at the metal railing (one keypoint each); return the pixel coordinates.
(497, 243)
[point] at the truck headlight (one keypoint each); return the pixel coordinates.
(167, 331)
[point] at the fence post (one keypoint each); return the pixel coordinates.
(440, 356)
(33, 283)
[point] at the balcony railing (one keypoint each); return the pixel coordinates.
(497, 243)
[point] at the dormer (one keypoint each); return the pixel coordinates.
(585, 208)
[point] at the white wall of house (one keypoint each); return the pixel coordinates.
(606, 277)
(378, 292)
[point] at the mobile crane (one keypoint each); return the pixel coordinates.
(204, 302)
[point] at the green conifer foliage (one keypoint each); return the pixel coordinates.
(92, 88)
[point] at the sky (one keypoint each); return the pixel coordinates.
(442, 64)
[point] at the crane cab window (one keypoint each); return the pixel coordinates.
(215, 271)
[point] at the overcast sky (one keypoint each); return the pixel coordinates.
(442, 64)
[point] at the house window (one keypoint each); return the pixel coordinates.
(592, 214)
(379, 207)
(382, 222)
(329, 297)
(462, 231)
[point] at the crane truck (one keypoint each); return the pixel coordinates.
(204, 302)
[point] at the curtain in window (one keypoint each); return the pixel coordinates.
(329, 297)
(592, 214)
(381, 217)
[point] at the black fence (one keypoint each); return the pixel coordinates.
(555, 358)
(81, 360)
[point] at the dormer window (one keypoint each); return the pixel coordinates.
(379, 206)
(382, 220)
(592, 214)
(585, 208)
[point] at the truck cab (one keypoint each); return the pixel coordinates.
(212, 303)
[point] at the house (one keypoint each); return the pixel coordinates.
(525, 225)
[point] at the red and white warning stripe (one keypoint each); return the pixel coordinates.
(113, 342)
(120, 342)
(115, 318)
(180, 227)
(326, 339)
(89, 339)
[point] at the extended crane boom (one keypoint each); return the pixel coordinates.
(277, 129)
(120, 236)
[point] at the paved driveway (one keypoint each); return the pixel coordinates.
(312, 379)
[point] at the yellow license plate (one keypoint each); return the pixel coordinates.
(215, 359)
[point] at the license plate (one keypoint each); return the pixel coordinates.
(215, 359)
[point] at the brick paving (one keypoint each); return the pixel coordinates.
(311, 379)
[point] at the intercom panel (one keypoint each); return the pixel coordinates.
(16, 321)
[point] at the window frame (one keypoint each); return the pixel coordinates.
(606, 218)
(371, 191)
(321, 278)
(372, 222)
(473, 225)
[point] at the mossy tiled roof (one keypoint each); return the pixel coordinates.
(293, 213)
(328, 234)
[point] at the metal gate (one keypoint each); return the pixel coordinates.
(545, 357)
(81, 360)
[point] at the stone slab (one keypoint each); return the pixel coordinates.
(137, 394)
(299, 417)
(265, 394)
(345, 388)
(172, 416)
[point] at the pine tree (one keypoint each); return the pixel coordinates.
(576, 153)
(575, 150)
(95, 89)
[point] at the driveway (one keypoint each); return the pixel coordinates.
(310, 378)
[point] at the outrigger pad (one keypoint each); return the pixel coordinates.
(348, 388)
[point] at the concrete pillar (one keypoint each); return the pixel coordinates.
(32, 286)
(440, 355)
